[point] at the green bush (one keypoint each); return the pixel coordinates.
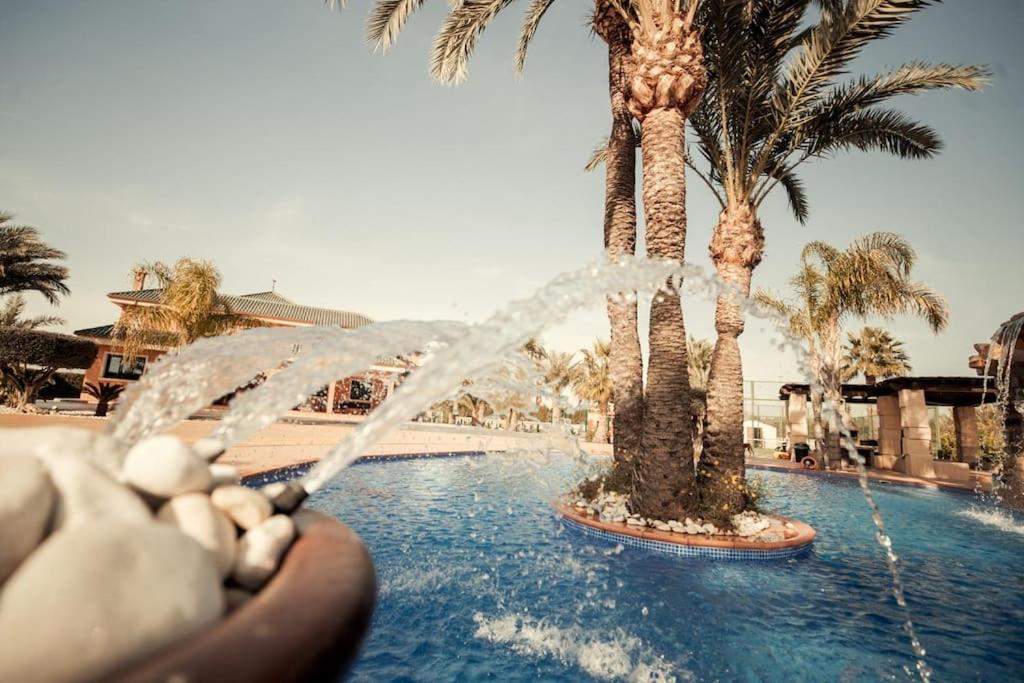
(30, 358)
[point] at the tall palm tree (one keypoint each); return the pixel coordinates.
(25, 262)
(557, 377)
(592, 382)
(659, 81)
(775, 101)
(870, 278)
(190, 308)
(12, 312)
(876, 354)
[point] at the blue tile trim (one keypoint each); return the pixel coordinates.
(685, 550)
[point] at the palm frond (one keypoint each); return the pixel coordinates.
(386, 19)
(534, 14)
(457, 38)
(597, 156)
(885, 130)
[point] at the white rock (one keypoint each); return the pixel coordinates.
(44, 442)
(662, 526)
(709, 529)
(85, 494)
(94, 596)
(27, 500)
(224, 475)
(208, 449)
(245, 507)
(274, 489)
(196, 517)
(260, 550)
(164, 466)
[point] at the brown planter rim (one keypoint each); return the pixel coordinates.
(306, 624)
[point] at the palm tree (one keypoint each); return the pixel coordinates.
(105, 393)
(474, 407)
(25, 262)
(13, 309)
(592, 382)
(190, 308)
(699, 355)
(557, 369)
(774, 102)
(876, 354)
(659, 81)
(870, 278)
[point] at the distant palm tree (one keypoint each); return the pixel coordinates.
(25, 262)
(870, 278)
(591, 381)
(876, 354)
(13, 309)
(557, 368)
(474, 407)
(699, 356)
(190, 308)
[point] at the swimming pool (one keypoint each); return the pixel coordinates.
(479, 580)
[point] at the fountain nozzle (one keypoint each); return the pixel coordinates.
(289, 500)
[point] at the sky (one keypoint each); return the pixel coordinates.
(267, 136)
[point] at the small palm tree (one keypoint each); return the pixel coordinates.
(190, 308)
(11, 315)
(557, 369)
(26, 262)
(870, 278)
(474, 407)
(105, 393)
(700, 353)
(591, 381)
(876, 354)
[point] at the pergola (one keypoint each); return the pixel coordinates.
(904, 432)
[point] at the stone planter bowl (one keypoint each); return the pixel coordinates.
(305, 625)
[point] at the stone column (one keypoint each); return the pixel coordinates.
(796, 421)
(965, 423)
(332, 390)
(917, 434)
(890, 433)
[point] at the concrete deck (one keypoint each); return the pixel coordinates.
(300, 440)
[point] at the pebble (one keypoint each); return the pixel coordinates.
(208, 449)
(224, 475)
(260, 550)
(246, 508)
(93, 596)
(632, 521)
(273, 490)
(164, 467)
(25, 508)
(196, 517)
(43, 442)
(86, 494)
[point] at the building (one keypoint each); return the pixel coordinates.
(351, 395)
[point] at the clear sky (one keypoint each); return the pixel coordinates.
(265, 135)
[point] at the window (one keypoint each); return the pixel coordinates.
(117, 368)
(360, 391)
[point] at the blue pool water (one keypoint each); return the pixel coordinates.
(479, 580)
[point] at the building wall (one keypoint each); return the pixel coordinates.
(94, 374)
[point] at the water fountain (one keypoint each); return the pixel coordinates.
(182, 383)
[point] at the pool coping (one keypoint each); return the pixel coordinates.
(895, 479)
(726, 547)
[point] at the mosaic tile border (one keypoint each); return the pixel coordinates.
(681, 550)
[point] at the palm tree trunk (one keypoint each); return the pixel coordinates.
(665, 473)
(626, 365)
(736, 249)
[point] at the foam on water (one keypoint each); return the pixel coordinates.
(1000, 519)
(608, 655)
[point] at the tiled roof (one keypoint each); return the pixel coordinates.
(101, 332)
(265, 305)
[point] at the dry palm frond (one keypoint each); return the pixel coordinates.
(534, 15)
(386, 20)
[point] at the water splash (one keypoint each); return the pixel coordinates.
(1000, 519)
(614, 656)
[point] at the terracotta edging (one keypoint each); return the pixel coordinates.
(805, 534)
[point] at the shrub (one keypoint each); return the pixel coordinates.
(30, 358)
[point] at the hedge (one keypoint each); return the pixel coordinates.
(45, 349)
